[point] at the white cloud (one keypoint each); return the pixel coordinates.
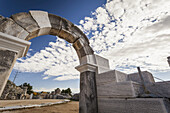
(59, 59)
(135, 35)
(129, 33)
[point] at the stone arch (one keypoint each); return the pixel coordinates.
(16, 31)
(36, 23)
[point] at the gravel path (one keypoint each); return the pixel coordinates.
(71, 107)
(5, 103)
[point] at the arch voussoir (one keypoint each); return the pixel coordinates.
(55, 24)
(82, 48)
(9, 27)
(26, 21)
(42, 19)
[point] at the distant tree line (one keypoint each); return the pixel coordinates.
(68, 91)
(29, 87)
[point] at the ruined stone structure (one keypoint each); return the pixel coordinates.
(13, 92)
(101, 90)
(56, 94)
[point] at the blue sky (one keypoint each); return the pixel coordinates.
(129, 33)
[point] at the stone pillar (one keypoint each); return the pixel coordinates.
(88, 91)
(11, 48)
(7, 60)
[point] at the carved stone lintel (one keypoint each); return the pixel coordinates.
(86, 67)
(8, 42)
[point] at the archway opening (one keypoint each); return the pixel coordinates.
(26, 26)
(46, 84)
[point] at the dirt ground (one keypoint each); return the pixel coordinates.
(70, 107)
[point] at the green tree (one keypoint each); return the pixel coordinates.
(68, 91)
(29, 87)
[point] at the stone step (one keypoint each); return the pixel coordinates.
(147, 77)
(138, 105)
(111, 76)
(126, 89)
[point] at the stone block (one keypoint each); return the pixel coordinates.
(55, 24)
(76, 32)
(147, 76)
(81, 42)
(159, 89)
(28, 23)
(121, 77)
(11, 28)
(82, 48)
(65, 31)
(106, 77)
(42, 19)
(8, 42)
(118, 89)
(100, 61)
(138, 105)
(101, 69)
(90, 59)
(111, 76)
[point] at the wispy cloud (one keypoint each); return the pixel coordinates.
(129, 33)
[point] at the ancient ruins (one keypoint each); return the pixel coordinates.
(102, 90)
(13, 92)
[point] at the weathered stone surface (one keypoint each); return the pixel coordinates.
(64, 28)
(111, 76)
(82, 48)
(100, 61)
(11, 28)
(65, 31)
(140, 105)
(42, 19)
(12, 91)
(90, 59)
(102, 69)
(106, 77)
(76, 32)
(88, 93)
(121, 77)
(7, 60)
(15, 44)
(118, 89)
(160, 89)
(2, 19)
(55, 24)
(27, 22)
(75, 97)
(147, 76)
